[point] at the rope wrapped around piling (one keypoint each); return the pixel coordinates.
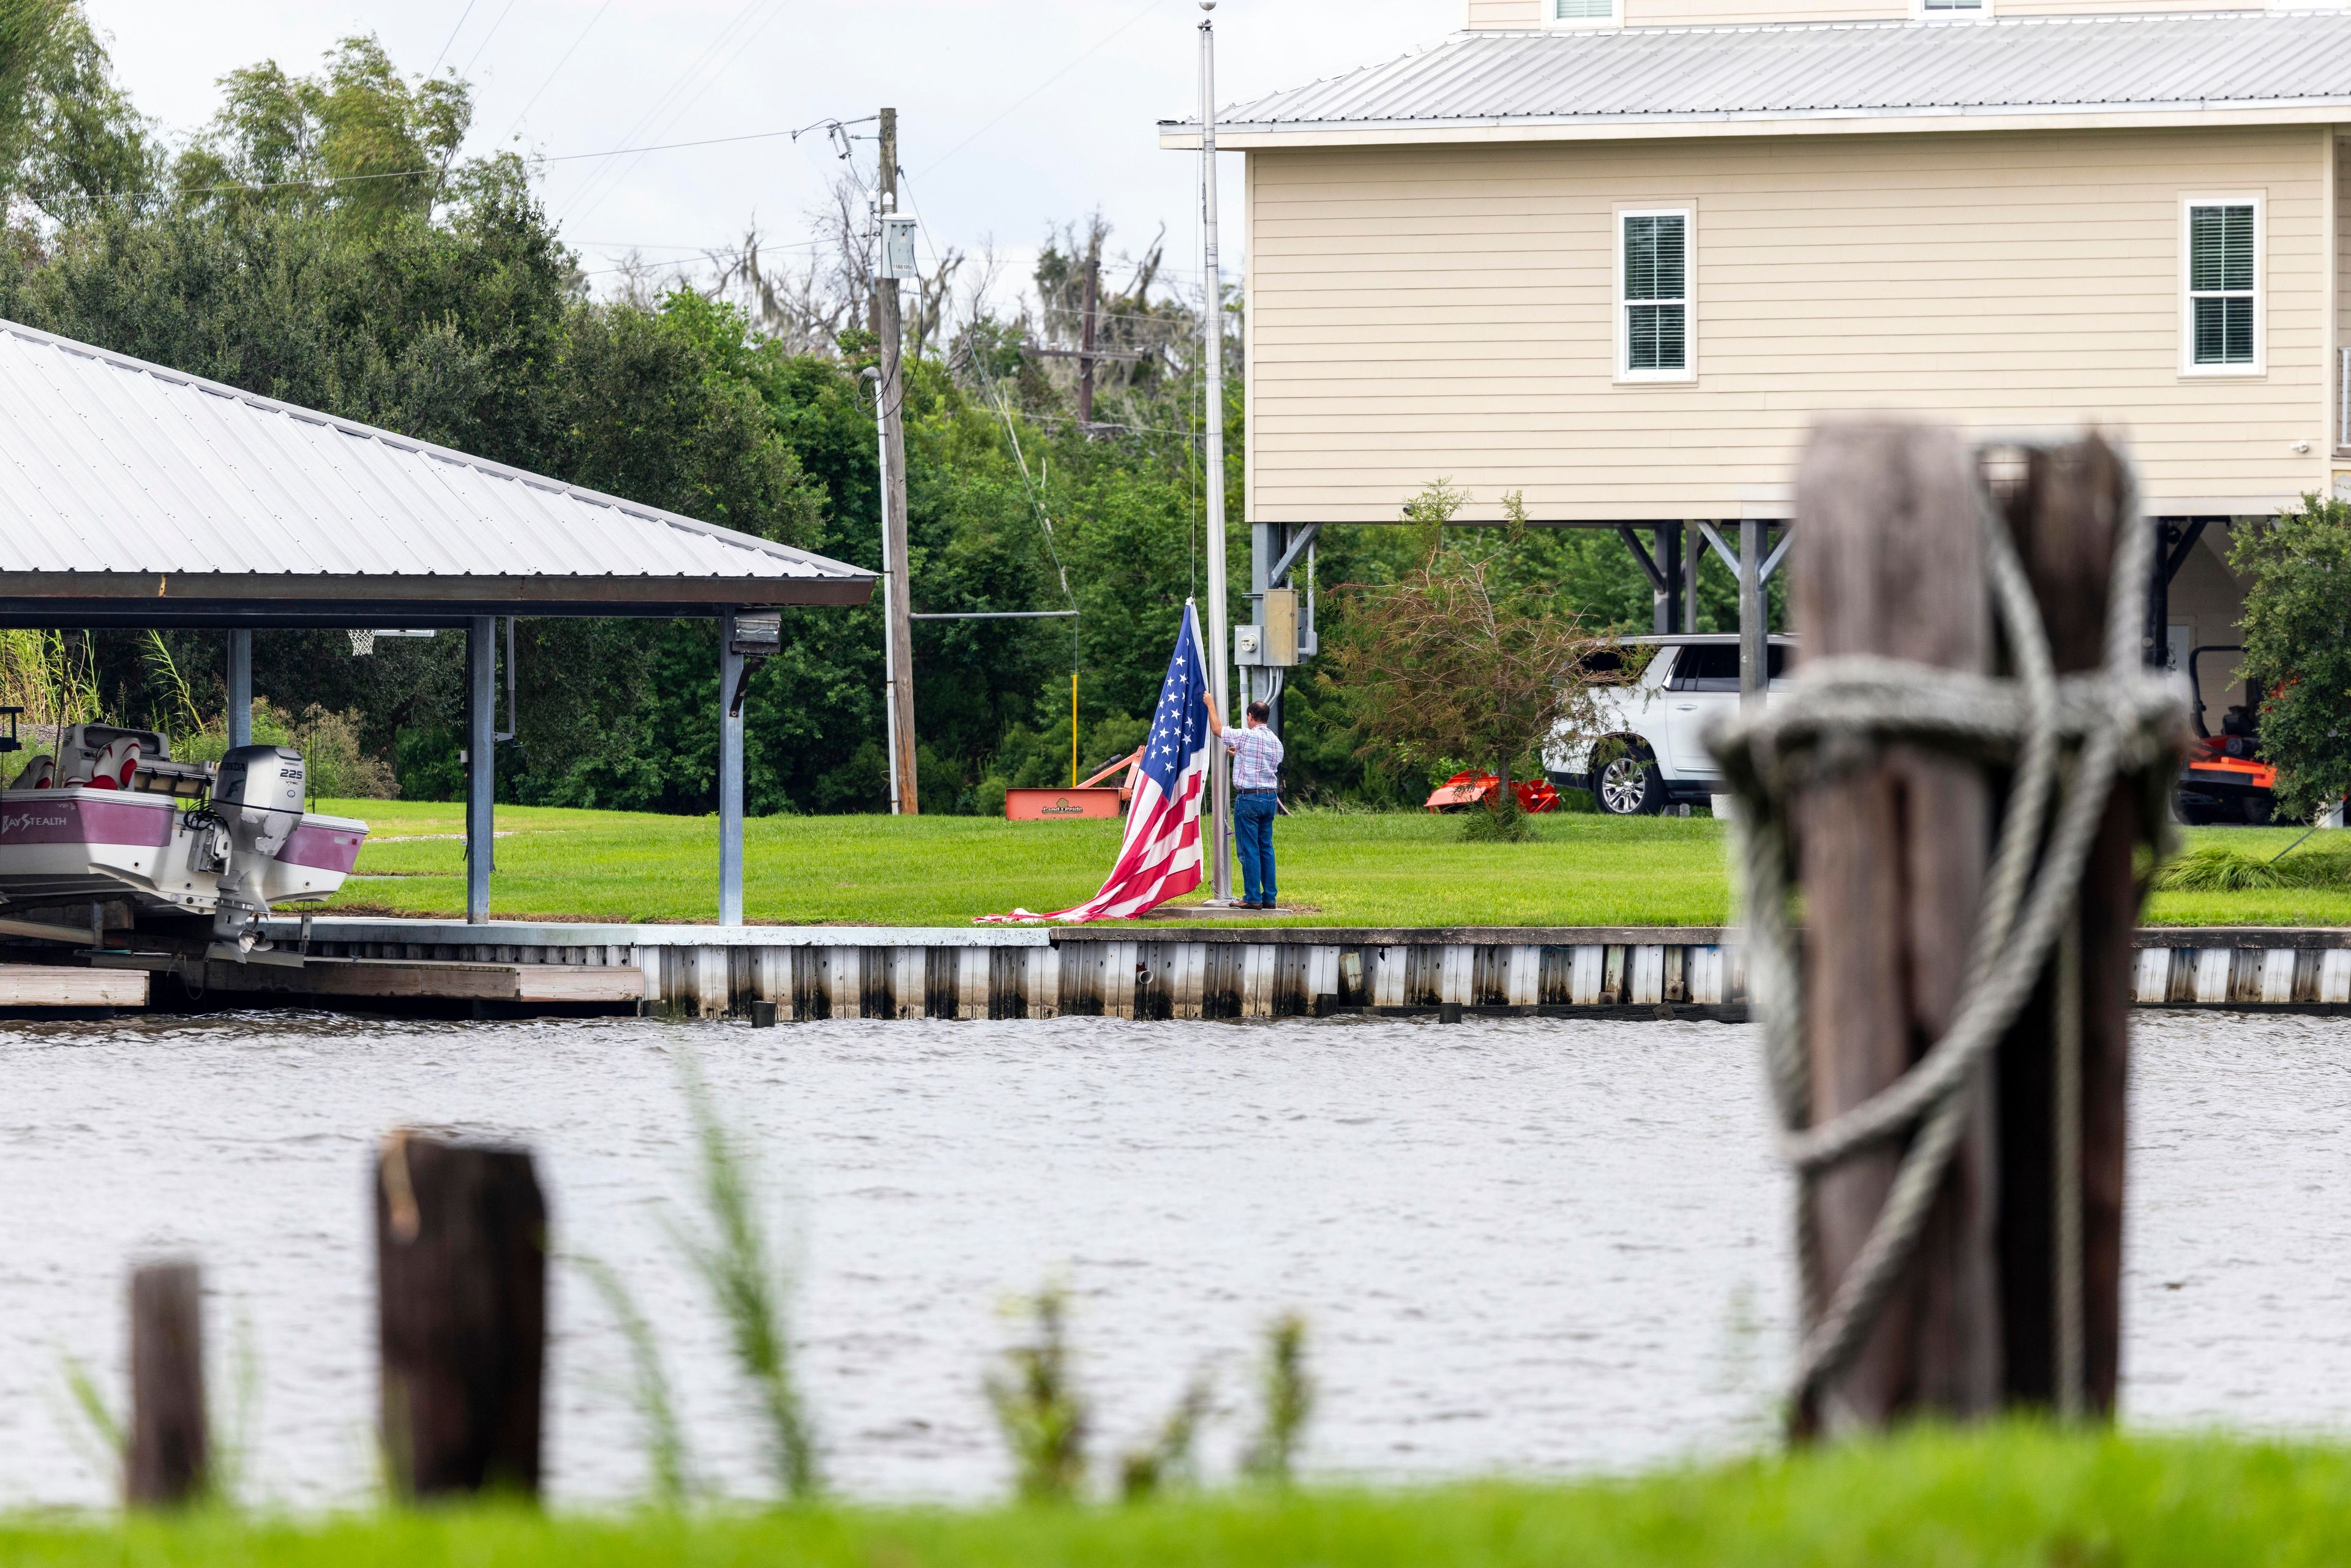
(2064, 741)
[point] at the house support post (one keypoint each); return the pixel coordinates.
(240, 688)
(481, 763)
(2174, 538)
(1693, 550)
(730, 776)
(1267, 542)
(1754, 622)
(1667, 596)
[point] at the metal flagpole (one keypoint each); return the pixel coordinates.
(889, 642)
(1212, 344)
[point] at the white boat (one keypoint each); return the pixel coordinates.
(109, 815)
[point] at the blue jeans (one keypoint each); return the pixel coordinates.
(1253, 811)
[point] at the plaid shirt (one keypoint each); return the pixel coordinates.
(1257, 756)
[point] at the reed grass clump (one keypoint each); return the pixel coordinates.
(649, 1388)
(1038, 1404)
(1171, 1459)
(2220, 868)
(737, 1262)
(1288, 1392)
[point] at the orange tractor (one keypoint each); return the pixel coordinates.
(2225, 779)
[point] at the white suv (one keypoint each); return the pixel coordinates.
(1650, 752)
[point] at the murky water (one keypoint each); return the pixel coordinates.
(1524, 1246)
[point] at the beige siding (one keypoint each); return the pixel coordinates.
(1427, 311)
(2342, 289)
(1716, 13)
(1503, 12)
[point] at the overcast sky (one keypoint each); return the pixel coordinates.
(1011, 116)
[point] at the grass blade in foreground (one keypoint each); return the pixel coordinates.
(666, 1462)
(1288, 1394)
(736, 1260)
(1038, 1406)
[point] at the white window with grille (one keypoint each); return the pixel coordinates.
(1654, 336)
(1950, 10)
(2222, 316)
(1580, 13)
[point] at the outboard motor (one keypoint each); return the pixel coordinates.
(257, 804)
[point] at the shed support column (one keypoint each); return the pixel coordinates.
(240, 688)
(481, 763)
(730, 776)
(1754, 622)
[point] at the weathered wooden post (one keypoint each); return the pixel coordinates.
(1888, 561)
(169, 1444)
(1956, 815)
(2061, 1305)
(461, 1270)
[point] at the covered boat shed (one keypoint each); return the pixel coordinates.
(136, 495)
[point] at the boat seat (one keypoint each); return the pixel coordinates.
(115, 763)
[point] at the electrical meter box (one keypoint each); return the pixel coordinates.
(1278, 619)
(897, 248)
(1249, 645)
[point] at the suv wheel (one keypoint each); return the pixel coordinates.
(1625, 784)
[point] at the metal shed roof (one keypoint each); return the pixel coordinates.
(2208, 63)
(131, 492)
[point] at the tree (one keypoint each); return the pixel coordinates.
(2297, 630)
(70, 144)
(1453, 662)
(356, 140)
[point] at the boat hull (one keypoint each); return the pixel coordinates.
(61, 846)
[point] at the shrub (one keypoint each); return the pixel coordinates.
(2298, 648)
(339, 766)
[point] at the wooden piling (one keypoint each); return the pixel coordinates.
(461, 1270)
(168, 1444)
(2065, 514)
(1892, 850)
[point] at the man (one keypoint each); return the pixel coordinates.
(1256, 762)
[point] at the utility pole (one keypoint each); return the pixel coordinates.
(1212, 483)
(892, 392)
(1086, 336)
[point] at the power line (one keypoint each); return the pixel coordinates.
(545, 158)
(452, 36)
(601, 184)
(558, 66)
(485, 44)
(1004, 410)
(1149, 6)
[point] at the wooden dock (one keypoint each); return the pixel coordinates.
(53, 987)
(336, 978)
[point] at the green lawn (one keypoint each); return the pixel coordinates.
(1931, 1501)
(1349, 869)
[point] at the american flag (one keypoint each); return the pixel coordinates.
(1160, 858)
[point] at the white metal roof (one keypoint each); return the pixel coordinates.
(2208, 63)
(110, 466)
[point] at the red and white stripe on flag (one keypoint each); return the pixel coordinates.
(1160, 856)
